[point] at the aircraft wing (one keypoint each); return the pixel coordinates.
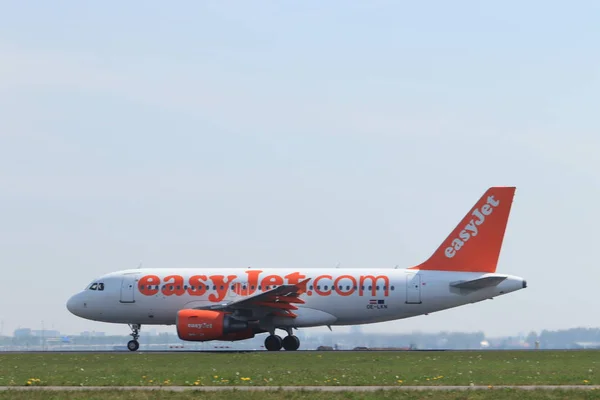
(279, 300)
(479, 283)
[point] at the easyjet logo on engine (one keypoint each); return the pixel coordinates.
(219, 286)
(472, 228)
(203, 325)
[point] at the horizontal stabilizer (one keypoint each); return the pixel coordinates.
(480, 283)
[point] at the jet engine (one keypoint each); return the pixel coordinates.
(205, 325)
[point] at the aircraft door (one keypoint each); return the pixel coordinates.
(413, 289)
(128, 288)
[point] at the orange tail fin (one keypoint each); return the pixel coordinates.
(474, 245)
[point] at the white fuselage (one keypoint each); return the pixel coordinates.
(334, 296)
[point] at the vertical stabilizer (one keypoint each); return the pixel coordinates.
(474, 245)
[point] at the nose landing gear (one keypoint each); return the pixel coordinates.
(133, 345)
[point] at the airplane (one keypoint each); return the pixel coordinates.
(238, 303)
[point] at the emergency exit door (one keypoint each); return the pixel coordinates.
(241, 289)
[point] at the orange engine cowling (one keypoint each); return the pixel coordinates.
(205, 325)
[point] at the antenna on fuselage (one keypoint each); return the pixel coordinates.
(140, 265)
(338, 264)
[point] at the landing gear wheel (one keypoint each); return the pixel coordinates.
(291, 343)
(133, 345)
(273, 343)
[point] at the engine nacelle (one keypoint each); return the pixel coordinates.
(204, 325)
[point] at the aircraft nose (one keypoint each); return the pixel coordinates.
(74, 305)
(71, 305)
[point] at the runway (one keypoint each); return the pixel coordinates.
(293, 388)
(225, 351)
(152, 351)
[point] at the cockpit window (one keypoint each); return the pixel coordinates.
(94, 286)
(100, 286)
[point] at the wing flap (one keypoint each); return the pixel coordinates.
(280, 300)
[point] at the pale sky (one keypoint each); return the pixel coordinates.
(297, 134)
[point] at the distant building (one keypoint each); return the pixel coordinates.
(586, 345)
(45, 333)
(22, 332)
(92, 334)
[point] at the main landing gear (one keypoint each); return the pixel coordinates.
(275, 343)
(133, 345)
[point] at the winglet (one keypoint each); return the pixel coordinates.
(474, 245)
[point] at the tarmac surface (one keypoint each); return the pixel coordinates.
(294, 388)
(276, 352)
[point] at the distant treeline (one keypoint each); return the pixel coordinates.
(561, 339)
